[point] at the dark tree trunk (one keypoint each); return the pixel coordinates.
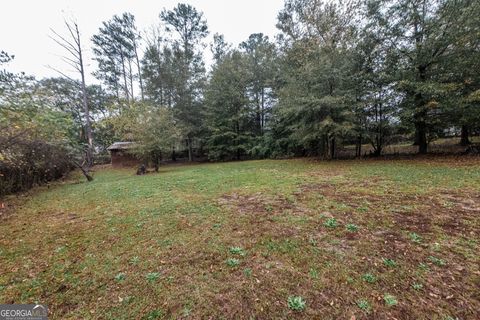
(416, 139)
(325, 146)
(420, 125)
(332, 148)
(262, 120)
(464, 141)
(378, 144)
(174, 157)
(190, 150)
(237, 138)
(258, 115)
(421, 136)
(420, 117)
(156, 157)
(84, 171)
(358, 149)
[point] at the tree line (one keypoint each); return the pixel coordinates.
(338, 73)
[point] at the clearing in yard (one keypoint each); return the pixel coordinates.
(258, 239)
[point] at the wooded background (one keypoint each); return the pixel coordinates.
(341, 73)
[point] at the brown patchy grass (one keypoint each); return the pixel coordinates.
(128, 247)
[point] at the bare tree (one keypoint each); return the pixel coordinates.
(74, 58)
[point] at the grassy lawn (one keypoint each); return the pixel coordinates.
(257, 239)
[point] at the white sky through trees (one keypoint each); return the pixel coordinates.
(25, 25)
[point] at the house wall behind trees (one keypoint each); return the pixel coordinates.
(123, 159)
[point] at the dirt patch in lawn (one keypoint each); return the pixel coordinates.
(65, 217)
(397, 215)
(6, 210)
(260, 204)
(450, 211)
(392, 218)
(264, 215)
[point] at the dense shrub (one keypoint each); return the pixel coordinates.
(32, 163)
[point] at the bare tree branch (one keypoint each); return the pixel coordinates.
(64, 43)
(61, 73)
(74, 48)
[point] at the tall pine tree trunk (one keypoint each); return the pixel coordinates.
(237, 131)
(262, 120)
(325, 146)
(421, 132)
(190, 149)
(332, 148)
(358, 149)
(464, 141)
(140, 79)
(258, 115)
(420, 116)
(125, 82)
(130, 78)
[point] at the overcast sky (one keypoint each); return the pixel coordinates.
(25, 25)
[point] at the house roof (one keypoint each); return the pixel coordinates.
(122, 145)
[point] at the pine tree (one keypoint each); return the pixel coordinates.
(190, 29)
(260, 54)
(230, 122)
(116, 52)
(316, 94)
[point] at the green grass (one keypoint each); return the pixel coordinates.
(364, 305)
(257, 239)
(389, 262)
(232, 262)
(352, 227)
(368, 277)
(331, 223)
(390, 300)
(296, 303)
(237, 251)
